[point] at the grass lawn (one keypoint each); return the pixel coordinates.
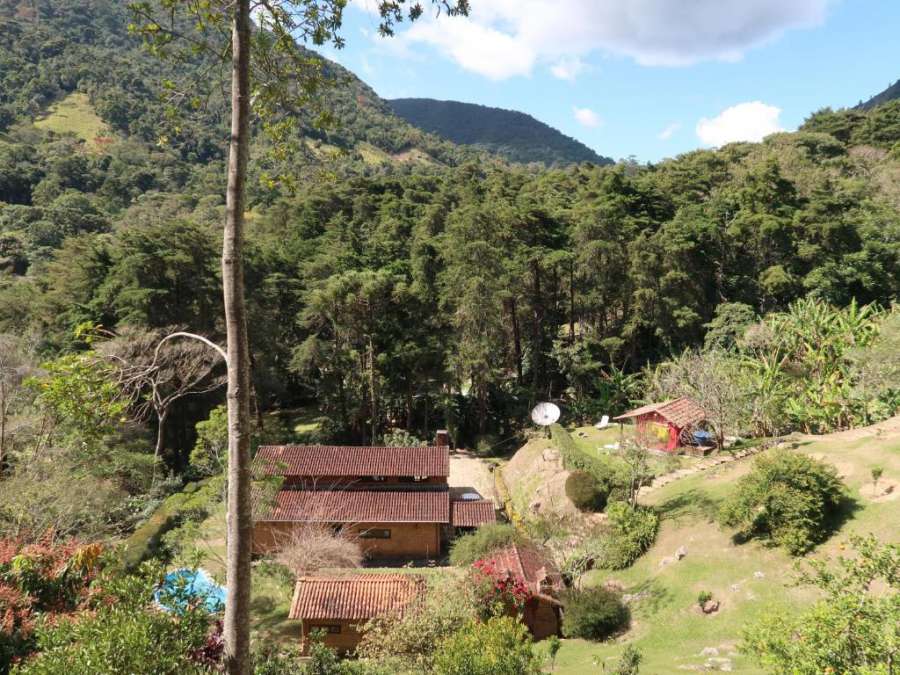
(74, 114)
(750, 580)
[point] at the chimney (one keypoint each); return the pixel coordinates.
(442, 438)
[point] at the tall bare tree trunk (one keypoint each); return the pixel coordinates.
(239, 518)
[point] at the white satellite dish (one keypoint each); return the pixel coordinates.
(545, 414)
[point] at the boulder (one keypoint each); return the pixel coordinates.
(680, 553)
(550, 455)
(710, 606)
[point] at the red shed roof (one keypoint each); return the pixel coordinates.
(360, 596)
(472, 513)
(355, 506)
(529, 564)
(681, 412)
(351, 461)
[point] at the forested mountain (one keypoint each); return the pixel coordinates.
(511, 134)
(889, 94)
(452, 290)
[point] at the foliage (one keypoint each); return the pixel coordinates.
(631, 531)
(412, 636)
(788, 498)
(854, 629)
(498, 592)
(469, 548)
(582, 489)
(40, 581)
(703, 597)
(79, 393)
(121, 633)
(499, 646)
(629, 662)
(593, 614)
(401, 438)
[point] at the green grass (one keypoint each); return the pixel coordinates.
(667, 627)
(75, 115)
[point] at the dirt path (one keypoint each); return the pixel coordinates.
(469, 471)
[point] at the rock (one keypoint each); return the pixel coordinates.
(710, 606)
(759, 575)
(722, 665)
(709, 651)
(668, 560)
(550, 455)
(680, 553)
(535, 506)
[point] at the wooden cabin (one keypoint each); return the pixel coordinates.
(338, 606)
(543, 611)
(395, 501)
(665, 426)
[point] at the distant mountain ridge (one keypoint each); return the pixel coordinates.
(515, 135)
(889, 94)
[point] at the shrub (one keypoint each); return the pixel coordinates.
(629, 663)
(789, 499)
(582, 489)
(632, 530)
(410, 637)
(471, 547)
(593, 614)
(703, 597)
(499, 646)
(123, 634)
(497, 592)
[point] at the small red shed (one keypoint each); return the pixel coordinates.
(659, 425)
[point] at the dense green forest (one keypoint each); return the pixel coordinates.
(455, 290)
(511, 134)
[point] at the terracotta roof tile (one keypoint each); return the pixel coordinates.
(680, 412)
(360, 596)
(350, 461)
(530, 565)
(355, 506)
(472, 513)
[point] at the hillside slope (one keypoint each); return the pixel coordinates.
(511, 134)
(889, 94)
(750, 580)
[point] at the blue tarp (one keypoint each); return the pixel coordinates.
(185, 587)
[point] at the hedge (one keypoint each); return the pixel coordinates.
(610, 477)
(192, 503)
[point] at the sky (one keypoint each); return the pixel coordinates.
(642, 78)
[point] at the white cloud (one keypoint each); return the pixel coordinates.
(567, 68)
(505, 38)
(667, 133)
(750, 121)
(587, 117)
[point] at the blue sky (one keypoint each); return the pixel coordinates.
(649, 78)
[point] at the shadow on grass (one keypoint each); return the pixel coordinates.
(692, 503)
(649, 596)
(271, 618)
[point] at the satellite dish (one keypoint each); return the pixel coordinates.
(545, 414)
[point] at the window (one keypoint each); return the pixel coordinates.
(375, 533)
(377, 479)
(325, 628)
(419, 479)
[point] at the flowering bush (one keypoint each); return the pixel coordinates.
(47, 577)
(497, 590)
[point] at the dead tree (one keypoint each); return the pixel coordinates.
(157, 371)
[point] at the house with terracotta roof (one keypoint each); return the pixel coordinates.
(338, 606)
(668, 426)
(543, 610)
(395, 501)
